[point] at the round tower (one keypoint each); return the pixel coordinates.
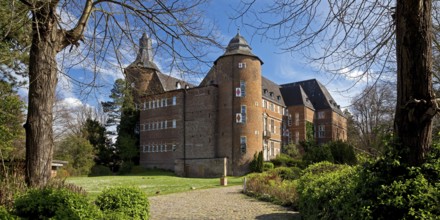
(238, 73)
(139, 74)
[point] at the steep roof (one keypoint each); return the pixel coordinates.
(318, 95)
(144, 56)
(170, 83)
(271, 91)
(296, 95)
(238, 46)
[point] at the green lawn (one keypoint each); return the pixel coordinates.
(150, 182)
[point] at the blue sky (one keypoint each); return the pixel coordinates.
(278, 66)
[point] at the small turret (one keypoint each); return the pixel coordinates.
(238, 73)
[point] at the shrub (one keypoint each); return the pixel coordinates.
(267, 166)
(12, 182)
(6, 215)
(130, 201)
(404, 192)
(326, 191)
(126, 167)
(382, 189)
(270, 187)
(287, 173)
(54, 203)
(256, 164)
(284, 160)
(342, 152)
(316, 153)
(100, 170)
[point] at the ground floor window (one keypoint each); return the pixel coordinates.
(243, 143)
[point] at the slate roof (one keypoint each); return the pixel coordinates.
(271, 91)
(297, 93)
(238, 45)
(144, 56)
(169, 83)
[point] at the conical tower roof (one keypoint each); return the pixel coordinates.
(145, 54)
(238, 46)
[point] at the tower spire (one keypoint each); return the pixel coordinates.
(144, 56)
(145, 53)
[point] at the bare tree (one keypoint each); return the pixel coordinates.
(373, 37)
(373, 114)
(105, 25)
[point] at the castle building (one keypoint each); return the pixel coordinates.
(217, 127)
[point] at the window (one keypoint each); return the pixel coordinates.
(144, 148)
(241, 65)
(264, 104)
(243, 88)
(178, 85)
(271, 107)
(243, 114)
(149, 104)
(265, 123)
(159, 123)
(164, 102)
(272, 148)
(243, 144)
(145, 105)
(148, 148)
(272, 125)
(158, 103)
(174, 147)
(321, 115)
(163, 124)
(174, 123)
(153, 104)
(296, 119)
(296, 137)
(174, 100)
(166, 124)
(289, 120)
(321, 131)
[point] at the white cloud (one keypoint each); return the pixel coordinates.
(71, 102)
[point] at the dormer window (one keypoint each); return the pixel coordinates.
(278, 98)
(178, 85)
(186, 87)
(271, 94)
(265, 91)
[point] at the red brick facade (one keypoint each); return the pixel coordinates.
(215, 129)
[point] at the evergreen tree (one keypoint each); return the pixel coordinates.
(11, 122)
(123, 114)
(95, 133)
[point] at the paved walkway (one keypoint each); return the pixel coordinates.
(216, 203)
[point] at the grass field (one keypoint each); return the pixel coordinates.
(150, 182)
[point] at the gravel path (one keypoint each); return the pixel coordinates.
(216, 203)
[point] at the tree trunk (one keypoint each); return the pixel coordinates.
(415, 99)
(42, 83)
